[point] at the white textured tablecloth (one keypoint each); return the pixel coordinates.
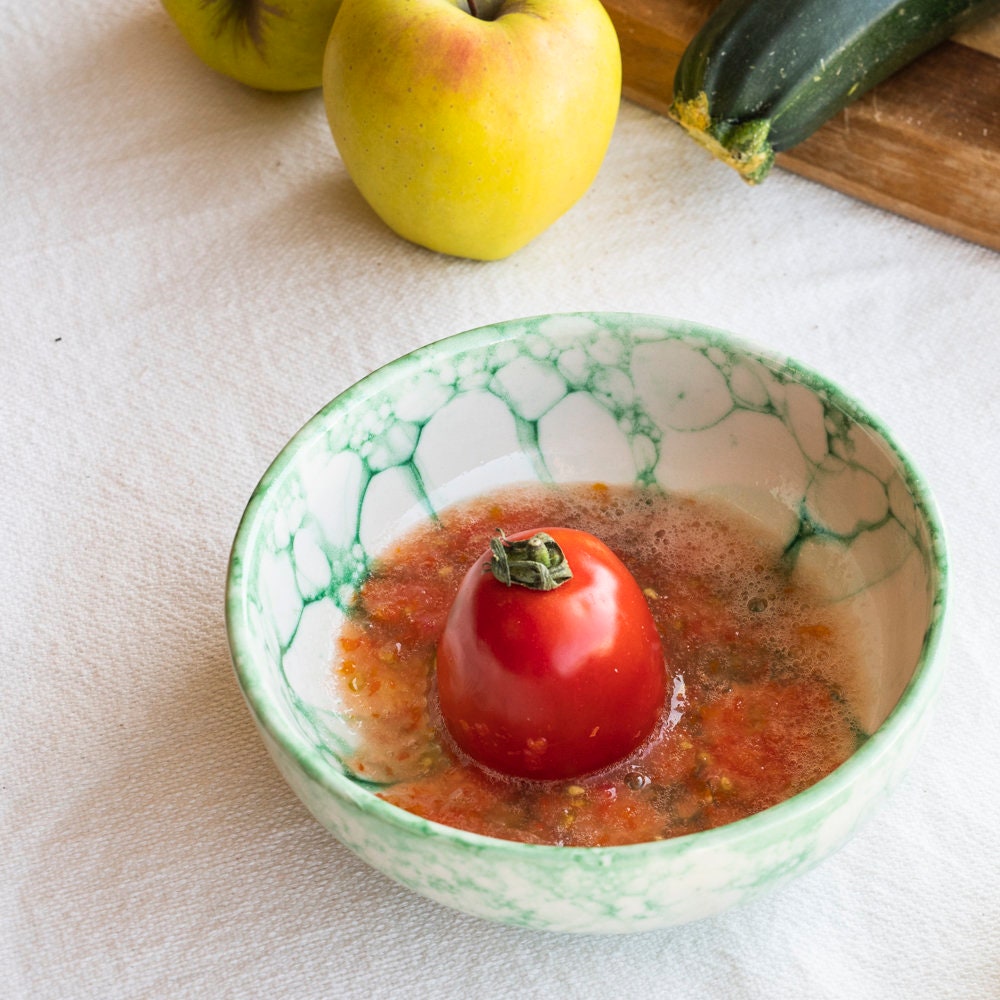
(187, 275)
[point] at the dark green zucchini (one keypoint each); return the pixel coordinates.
(762, 75)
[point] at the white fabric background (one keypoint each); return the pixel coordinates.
(187, 275)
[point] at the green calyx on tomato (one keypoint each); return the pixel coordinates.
(536, 562)
(555, 681)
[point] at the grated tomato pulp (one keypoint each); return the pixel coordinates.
(762, 670)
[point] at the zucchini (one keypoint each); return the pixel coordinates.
(762, 75)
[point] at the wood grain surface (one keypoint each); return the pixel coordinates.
(924, 144)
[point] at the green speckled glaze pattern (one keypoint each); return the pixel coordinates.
(618, 398)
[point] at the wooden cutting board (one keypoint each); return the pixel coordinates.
(924, 144)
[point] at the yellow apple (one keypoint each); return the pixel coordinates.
(269, 44)
(470, 134)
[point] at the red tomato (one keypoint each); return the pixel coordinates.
(551, 683)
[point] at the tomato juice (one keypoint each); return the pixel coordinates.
(759, 664)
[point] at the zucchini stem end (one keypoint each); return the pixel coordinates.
(744, 146)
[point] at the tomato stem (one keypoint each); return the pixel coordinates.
(536, 562)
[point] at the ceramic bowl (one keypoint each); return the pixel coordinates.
(622, 399)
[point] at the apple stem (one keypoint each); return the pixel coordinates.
(485, 10)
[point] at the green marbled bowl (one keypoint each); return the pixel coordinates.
(619, 398)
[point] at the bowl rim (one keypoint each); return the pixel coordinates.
(903, 717)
